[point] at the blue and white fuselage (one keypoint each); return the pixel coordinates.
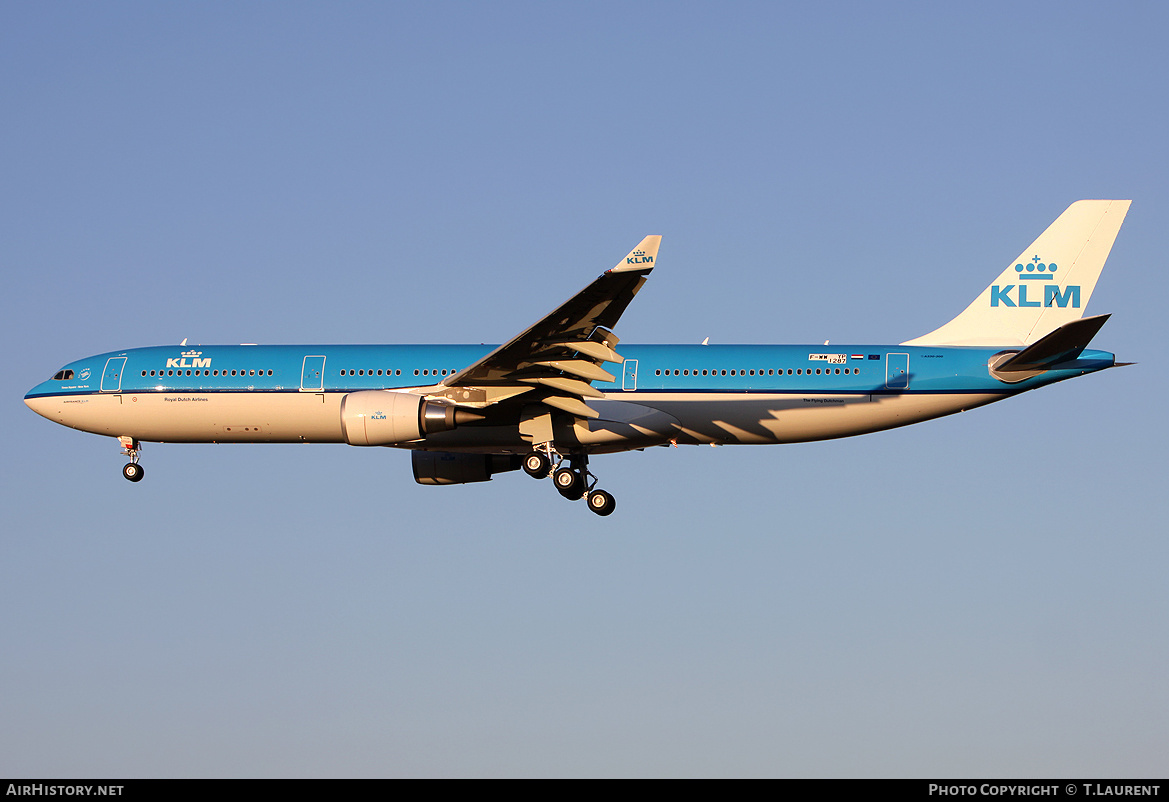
(724, 394)
(565, 388)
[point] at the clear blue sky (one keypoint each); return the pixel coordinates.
(982, 595)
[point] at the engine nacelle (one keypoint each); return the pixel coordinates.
(447, 468)
(388, 417)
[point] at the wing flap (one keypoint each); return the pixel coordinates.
(589, 371)
(595, 350)
(566, 385)
(573, 406)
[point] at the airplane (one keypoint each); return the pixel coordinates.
(560, 391)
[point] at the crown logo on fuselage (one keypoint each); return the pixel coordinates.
(1036, 270)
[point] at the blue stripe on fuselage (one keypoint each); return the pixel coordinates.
(756, 369)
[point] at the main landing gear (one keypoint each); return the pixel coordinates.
(132, 470)
(570, 476)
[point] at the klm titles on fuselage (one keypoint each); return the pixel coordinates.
(1035, 271)
(189, 359)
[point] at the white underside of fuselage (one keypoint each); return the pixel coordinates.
(629, 420)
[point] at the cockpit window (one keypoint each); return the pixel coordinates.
(63, 375)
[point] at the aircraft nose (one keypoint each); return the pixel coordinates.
(37, 404)
(40, 403)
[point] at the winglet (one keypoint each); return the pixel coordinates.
(640, 258)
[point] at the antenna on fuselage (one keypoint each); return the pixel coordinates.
(184, 342)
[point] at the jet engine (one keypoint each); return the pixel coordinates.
(388, 417)
(452, 468)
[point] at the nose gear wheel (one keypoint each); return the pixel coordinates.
(131, 470)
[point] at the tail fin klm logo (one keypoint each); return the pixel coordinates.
(638, 258)
(1035, 270)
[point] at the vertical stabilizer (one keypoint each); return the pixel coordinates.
(1047, 286)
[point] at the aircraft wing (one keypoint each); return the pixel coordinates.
(563, 353)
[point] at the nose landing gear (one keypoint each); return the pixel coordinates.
(132, 470)
(571, 477)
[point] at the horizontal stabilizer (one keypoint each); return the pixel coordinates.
(1064, 344)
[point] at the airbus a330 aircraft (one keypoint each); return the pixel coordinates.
(546, 400)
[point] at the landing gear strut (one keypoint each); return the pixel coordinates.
(132, 470)
(571, 477)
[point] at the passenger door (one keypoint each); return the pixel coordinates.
(312, 374)
(111, 377)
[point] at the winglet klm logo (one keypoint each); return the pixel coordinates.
(638, 258)
(189, 359)
(1035, 270)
